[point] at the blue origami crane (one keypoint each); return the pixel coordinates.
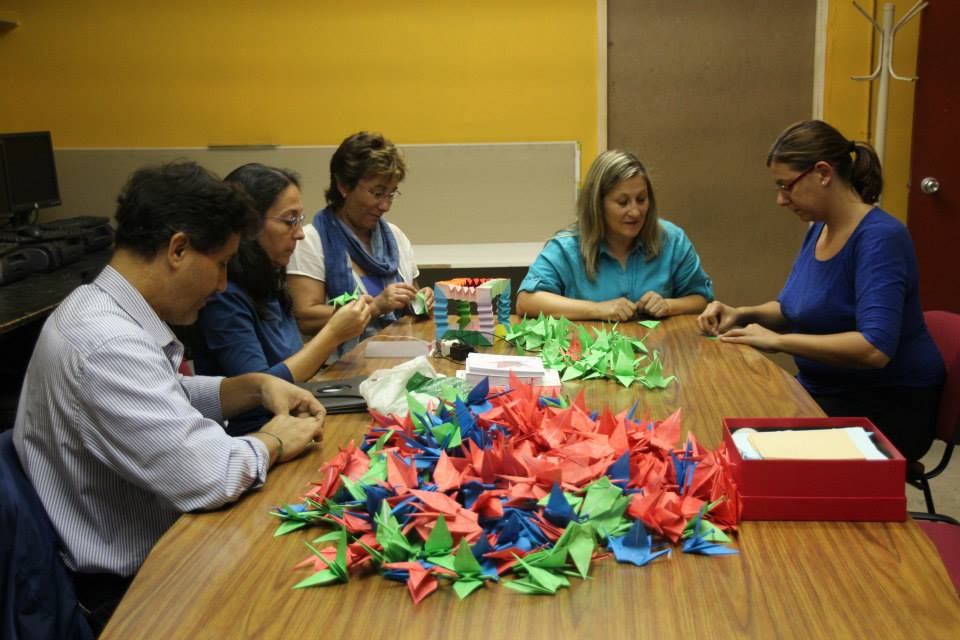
(558, 511)
(636, 546)
(696, 543)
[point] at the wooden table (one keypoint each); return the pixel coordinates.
(223, 575)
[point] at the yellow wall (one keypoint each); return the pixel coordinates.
(102, 73)
(852, 49)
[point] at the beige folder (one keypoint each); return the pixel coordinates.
(806, 444)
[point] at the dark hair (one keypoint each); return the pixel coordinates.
(358, 156)
(158, 202)
(806, 143)
(251, 269)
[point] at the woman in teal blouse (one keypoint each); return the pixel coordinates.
(619, 259)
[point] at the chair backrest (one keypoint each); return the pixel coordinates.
(944, 327)
(37, 599)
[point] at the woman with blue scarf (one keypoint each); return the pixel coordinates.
(350, 246)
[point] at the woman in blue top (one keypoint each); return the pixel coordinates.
(250, 326)
(619, 259)
(850, 311)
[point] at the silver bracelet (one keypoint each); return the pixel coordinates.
(279, 443)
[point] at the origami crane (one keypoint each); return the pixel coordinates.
(344, 298)
(636, 546)
(487, 485)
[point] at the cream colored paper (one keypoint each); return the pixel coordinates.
(805, 444)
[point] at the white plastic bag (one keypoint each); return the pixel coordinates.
(385, 390)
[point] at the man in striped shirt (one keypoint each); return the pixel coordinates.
(115, 441)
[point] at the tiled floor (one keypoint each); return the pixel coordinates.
(945, 487)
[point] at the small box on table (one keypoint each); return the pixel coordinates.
(861, 490)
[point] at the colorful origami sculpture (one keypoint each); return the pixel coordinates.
(484, 293)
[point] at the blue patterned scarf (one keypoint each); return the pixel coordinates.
(338, 240)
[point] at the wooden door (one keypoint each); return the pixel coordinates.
(934, 218)
(699, 90)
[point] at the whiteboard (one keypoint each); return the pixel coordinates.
(453, 193)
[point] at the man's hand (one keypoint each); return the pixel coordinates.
(291, 434)
(282, 398)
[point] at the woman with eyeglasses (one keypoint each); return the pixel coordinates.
(619, 259)
(351, 247)
(850, 310)
(250, 326)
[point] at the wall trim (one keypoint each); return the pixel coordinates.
(601, 76)
(820, 57)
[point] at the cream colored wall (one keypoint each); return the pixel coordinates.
(101, 73)
(852, 47)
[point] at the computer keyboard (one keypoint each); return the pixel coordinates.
(36, 233)
(79, 221)
(10, 236)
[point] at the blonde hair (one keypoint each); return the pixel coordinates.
(607, 171)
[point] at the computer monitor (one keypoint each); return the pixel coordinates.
(28, 174)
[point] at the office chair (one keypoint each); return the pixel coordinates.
(944, 327)
(37, 599)
(944, 532)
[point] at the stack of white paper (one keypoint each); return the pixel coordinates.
(529, 369)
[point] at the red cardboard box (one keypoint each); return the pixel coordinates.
(870, 490)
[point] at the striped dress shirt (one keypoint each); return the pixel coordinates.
(116, 442)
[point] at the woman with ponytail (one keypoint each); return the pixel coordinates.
(850, 311)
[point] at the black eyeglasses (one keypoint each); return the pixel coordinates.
(787, 188)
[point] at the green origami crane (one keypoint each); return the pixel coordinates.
(578, 354)
(419, 304)
(336, 570)
(344, 298)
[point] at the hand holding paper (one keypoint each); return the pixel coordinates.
(394, 296)
(344, 298)
(348, 320)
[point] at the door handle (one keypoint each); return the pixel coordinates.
(930, 186)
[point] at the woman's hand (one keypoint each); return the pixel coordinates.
(754, 335)
(349, 320)
(394, 296)
(717, 318)
(428, 297)
(653, 304)
(619, 310)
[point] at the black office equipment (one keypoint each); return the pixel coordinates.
(14, 265)
(95, 231)
(338, 396)
(28, 174)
